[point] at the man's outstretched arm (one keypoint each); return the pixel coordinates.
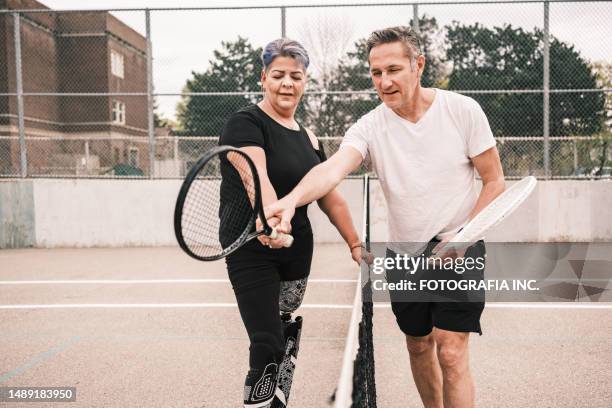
(319, 181)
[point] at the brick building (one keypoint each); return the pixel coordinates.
(73, 52)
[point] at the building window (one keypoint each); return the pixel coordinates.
(133, 157)
(118, 112)
(116, 64)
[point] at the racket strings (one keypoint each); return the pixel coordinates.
(218, 208)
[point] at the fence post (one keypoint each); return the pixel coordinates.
(415, 18)
(575, 148)
(546, 85)
(151, 124)
(19, 85)
(283, 22)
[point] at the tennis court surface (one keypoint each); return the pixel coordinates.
(142, 327)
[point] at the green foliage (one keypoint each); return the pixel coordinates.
(499, 58)
(341, 111)
(434, 73)
(511, 58)
(595, 155)
(235, 68)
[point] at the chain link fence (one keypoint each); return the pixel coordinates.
(144, 93)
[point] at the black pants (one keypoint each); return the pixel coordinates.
(257, 274)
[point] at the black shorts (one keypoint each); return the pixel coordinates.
(460, 314)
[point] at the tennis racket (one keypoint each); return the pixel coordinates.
(497, 210)
(218, 205)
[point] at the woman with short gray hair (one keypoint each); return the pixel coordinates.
(269, 281)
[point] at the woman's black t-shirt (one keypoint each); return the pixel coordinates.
(289, 153)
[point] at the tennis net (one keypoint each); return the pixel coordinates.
(357, 386)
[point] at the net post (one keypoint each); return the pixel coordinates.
(357, 385)
(366, 230)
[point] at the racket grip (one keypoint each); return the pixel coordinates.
(285, 238)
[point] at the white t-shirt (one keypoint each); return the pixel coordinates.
(424, 168)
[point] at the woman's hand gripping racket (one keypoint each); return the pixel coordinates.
(497, 210)
(218, 205)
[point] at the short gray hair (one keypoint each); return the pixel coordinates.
(284, 47)
(404, 34)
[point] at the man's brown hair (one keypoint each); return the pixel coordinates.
(406, 35)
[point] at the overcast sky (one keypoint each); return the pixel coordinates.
(183, 41)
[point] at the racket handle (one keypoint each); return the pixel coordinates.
(285, 238)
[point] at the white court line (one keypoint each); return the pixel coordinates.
(517, 305)
(133, 281)
(305, 306)
(565, 305)
(153, 306)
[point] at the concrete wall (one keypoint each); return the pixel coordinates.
(17, 225)
(568, 210)
(85, 213)
(104, 212)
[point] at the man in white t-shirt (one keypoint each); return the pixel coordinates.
(425, 145)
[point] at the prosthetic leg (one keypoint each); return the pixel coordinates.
(292, 329)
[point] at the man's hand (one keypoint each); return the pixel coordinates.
(453, 253)
(284, 210)
(359, 253)
(356, 254)
(266, 240)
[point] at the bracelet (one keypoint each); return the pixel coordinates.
(355, 246)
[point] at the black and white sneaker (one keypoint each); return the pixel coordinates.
(260, 386)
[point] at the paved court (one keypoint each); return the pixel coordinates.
(149, 327)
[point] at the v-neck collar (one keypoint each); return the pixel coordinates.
(423, 117)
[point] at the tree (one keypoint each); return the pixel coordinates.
(235, 68)
(326, 40)
(511, 59)
(353, 74)
(159, 120)
(432, 40)
(596, 154)
(603, 73)
(507, 58)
